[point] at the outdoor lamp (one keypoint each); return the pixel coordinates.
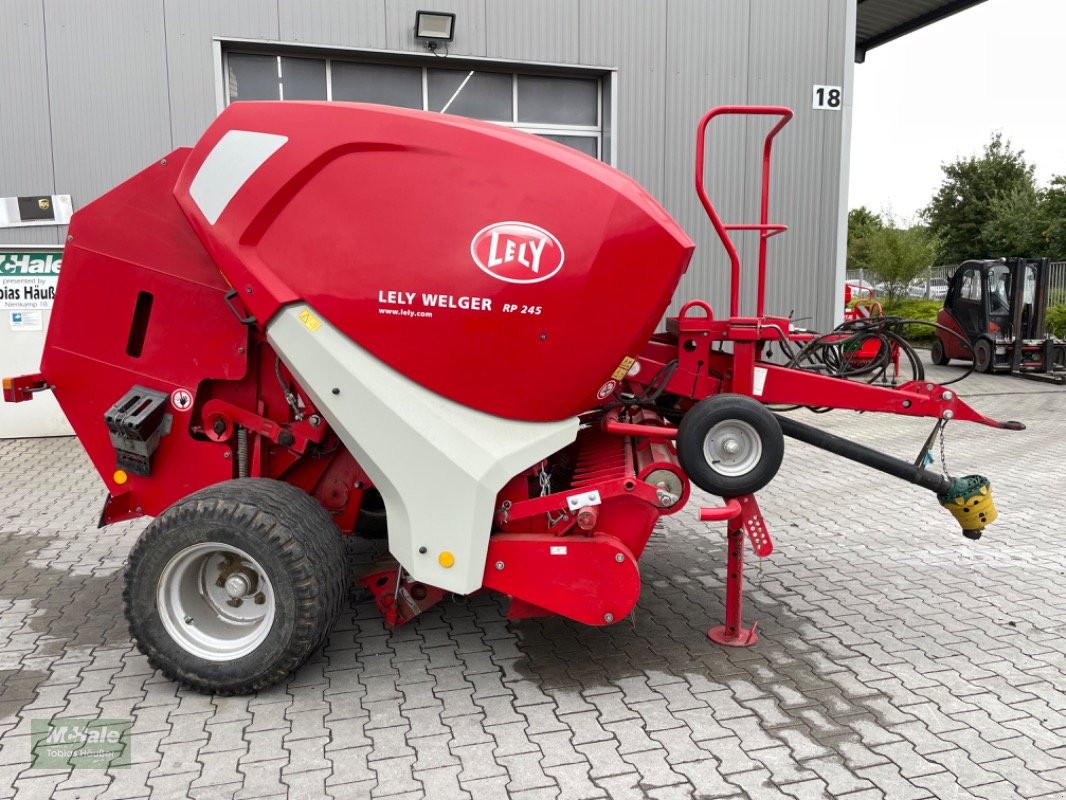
(434, 25)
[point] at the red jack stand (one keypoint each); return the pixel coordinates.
(744, 517)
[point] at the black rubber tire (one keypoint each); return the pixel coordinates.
(983, 354)
(291, 537)
(936, 354)
(372, 522)
(697, 424)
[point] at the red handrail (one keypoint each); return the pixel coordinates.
(766, 230)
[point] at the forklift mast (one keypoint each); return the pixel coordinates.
(1030, 313)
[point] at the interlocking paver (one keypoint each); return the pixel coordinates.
(526, 772)
(395, 775)
(442, 782)
(896, 659)
(604, 758)
(622, 787)
(261, 779)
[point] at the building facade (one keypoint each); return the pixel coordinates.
(96, 91)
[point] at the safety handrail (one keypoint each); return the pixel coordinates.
(765, 228)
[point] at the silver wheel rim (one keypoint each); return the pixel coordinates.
(732, 448)
(215, 601)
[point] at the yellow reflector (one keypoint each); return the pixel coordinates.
(446, 559)
(120, 476)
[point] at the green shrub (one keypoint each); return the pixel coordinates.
(1056, 321)
(925, 310)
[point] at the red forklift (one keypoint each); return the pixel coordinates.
(997, 311)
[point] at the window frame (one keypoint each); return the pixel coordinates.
(603, 132)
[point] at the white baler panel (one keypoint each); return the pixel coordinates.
(439, 465)
(229, 164)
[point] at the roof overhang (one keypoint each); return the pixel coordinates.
(881, 21)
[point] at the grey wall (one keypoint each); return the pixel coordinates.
(101, 89)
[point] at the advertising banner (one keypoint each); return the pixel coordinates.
(28, 279)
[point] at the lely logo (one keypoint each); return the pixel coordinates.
(517, 252)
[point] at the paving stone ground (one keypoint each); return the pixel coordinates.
(896, 658)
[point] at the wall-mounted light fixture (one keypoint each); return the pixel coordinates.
(434, 27)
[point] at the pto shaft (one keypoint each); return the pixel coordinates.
(896, 467)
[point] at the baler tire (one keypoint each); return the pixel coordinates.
(983, 355)
(750, 419)
(936, 354)
(285, 533)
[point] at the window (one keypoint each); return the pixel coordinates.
(971, 285)
(377, 83)
(566, 108)
(258, 77)
(470, 93)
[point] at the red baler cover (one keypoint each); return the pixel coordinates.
(504, 271)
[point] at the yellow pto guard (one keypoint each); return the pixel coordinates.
(969, 499)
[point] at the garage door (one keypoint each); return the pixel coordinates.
(567, 108)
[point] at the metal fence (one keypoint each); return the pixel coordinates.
(933, 283)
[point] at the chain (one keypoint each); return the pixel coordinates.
(943, 453)
(505, 511)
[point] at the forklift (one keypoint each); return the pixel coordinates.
(995, 314)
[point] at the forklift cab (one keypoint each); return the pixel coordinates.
(980, 295)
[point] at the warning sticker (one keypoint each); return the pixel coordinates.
(558, 550)
(181, 399)
(760, 381)
(309, 320)
(606, 390)
(623, 368)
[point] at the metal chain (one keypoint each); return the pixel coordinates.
(943, 453)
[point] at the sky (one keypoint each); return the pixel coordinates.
(938, 94)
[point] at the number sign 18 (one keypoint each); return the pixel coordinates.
(828, 98)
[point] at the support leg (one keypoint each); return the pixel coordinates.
(733, 633)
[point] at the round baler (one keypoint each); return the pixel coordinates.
(327, 318)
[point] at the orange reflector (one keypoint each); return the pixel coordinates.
(120, 476)
(446, 559)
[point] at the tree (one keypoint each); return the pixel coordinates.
(1017, 225)
(963, 206)
(1053, 218)
(898, 256)
(861, 224)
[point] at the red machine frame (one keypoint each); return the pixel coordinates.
(623, 471)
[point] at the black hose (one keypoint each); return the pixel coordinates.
(833, 353)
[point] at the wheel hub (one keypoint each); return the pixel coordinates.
(201, 598)
(238, 585)
(732, 447)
